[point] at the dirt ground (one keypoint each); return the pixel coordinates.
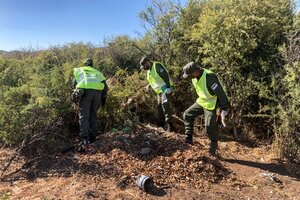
(110, 167)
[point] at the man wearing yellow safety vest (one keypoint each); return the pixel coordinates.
(210, 96)
(159, 80)
(93, 93)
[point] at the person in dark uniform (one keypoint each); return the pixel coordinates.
(211, 95)
(159, 79)
(92, 88)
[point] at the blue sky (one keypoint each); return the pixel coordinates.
(41, 23)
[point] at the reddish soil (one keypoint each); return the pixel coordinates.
(110, 167)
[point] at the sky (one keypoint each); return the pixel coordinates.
(42, 23)
(297, 2)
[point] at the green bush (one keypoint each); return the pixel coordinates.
(288, 127)
(289, 131)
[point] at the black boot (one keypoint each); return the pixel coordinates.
(171, 127)
(189, 139)
(213, 148)
(92, 139)
(82, 145)
(160, 124)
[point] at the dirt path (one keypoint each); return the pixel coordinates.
(179, 172)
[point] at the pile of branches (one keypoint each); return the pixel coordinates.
(161, 155)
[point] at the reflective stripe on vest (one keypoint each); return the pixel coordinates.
(205, 99)
(156, 82)
(88, 78)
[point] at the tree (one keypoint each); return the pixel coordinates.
(158, 20)
(288, 128)
(123, 53)
(184, 48)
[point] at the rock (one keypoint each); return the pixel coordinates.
(271, 177)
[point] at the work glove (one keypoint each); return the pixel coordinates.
(224, 113)
(146, 88)
(164, 98)
(168, 91)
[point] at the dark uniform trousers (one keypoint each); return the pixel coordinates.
(88, 107)
(164, 109)
(211, 128)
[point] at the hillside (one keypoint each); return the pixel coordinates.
(110, 167)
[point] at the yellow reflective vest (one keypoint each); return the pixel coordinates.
(88, 78)
(156, 82)
(205, 99)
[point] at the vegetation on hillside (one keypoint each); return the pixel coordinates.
(252, 45)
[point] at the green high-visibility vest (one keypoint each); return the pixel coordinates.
(156, 82)
(88, 78)
(205, 99)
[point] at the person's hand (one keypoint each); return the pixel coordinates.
(224, 113)
(146, 88)
(168, 91)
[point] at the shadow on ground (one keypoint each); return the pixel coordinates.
(277, 168)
